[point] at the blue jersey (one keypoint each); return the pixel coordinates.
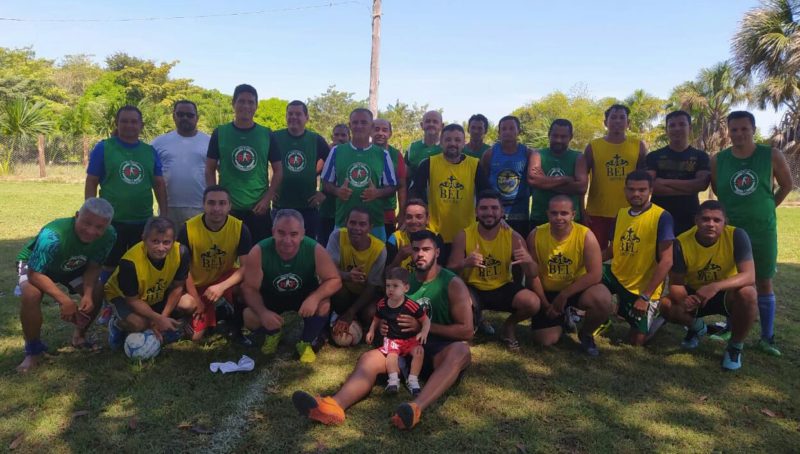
(508, 176)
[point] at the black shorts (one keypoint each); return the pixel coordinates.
(128, 234)
(499, 299)
(122, 309)
(717, 305)
(286, 303)
(521, 226)
(541, 320)
(324, 229)
(432, 347)
(259, 225)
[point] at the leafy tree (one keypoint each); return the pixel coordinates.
(646, 110)
(272, 113)
(20, 120)
(331, 108)
(405, 121)
(585, 113)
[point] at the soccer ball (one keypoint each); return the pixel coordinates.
(350, 337)
(144, 345)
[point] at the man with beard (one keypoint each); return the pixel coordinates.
(570, 267)
(327, 210)
(679, 172)
(381, 133)
(447, 355)
(477, 126)
(448, 182)
(484, 253)
(557, 170)
(398, 246)
(506, 165)
(713, 273)
(289, 272)
(183, 162)
(641, 256)
(303, 153)
(431, 125)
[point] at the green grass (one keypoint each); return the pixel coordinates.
(657, 398)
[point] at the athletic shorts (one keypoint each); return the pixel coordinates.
(259, 225)
(128, 234)
(208, 318)
(288, 303)
(765, 252)
(400, 347)
(541, 320)
(521, 226)
(717, 305)
(601, 227)
(71, 285)
(122, 309)
(499, 299)
(626, 300)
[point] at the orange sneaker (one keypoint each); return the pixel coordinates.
(406, 416)
(321, 409)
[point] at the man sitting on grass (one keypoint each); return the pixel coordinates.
(70, 252)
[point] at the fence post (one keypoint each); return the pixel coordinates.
(42, 172)
(85, 151)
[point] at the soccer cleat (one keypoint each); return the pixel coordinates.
(602, 328)
(486, 328)
(306, 352)
(320, 409)
(588, 346)
(392, 388)
(732, 359)
(692, 339)
(768, 346)
(116, 337)
(406, 416)
(271, 341)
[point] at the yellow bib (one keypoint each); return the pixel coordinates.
(560, 262)
(497, 258)
(635, 246)
(451, 195)
(612, 162)
(350, 258)
(705, 265)
(213, 253)
(153, 283)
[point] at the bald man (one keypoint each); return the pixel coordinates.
(431, 125)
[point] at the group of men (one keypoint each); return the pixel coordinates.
(255, 223)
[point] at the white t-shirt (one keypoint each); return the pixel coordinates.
(184, 163)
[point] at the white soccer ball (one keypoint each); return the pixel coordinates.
(350, 337)
(144, 345)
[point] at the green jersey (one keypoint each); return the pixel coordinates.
(554, 166)
(391, 202)
(286, 278)
(433, 296)
(58, 253)
(744, 187)
(418, 152)
(475, 154)
(243, 156)
(299, 159)
(129, 174)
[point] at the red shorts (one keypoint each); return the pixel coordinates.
(208, 318)
(401, 347)
(601, 227)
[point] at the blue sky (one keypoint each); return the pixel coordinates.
(463, 57)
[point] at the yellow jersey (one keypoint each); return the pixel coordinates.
(153, 283)
(213, 253)
(706, 265)
(612, 162)
(560, 262)
(497, 257)
(350, 258)
(635, 244)
(451, 195)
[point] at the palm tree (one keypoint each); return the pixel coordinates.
(20, 120)
(708, 99)
(646, 109)
(767, 46)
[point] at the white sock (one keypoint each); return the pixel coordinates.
(413, 380)
(394, 379)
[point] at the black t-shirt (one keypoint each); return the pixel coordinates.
(678, 165)
(390, 314)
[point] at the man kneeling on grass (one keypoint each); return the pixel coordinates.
(70, 252)
(146, 289)
(446, 299)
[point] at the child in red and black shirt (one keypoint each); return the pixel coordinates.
(397, 343)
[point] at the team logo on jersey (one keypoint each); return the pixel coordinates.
(451, 190)
(288, 282)
(74, 263)
(155, 293)
(559, 265)
(709, 273)
(244, 158)
(425, 303)
(508, 182)
(629, 242)
(744, 182)
(131, 172)
(358, 175)
(556, 172)
(295, 161)
(615, 167)
(213, 258)
(491, 267)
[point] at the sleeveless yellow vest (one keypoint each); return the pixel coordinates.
(560, 262)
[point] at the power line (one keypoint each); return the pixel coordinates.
(205, 16)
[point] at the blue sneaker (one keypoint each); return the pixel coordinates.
(172, 336)
(116, 337)
(732, 359)
(588, 346)
(692, 339)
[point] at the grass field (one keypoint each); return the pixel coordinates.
(657, 398)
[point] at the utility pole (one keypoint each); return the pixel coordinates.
(374, 64)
